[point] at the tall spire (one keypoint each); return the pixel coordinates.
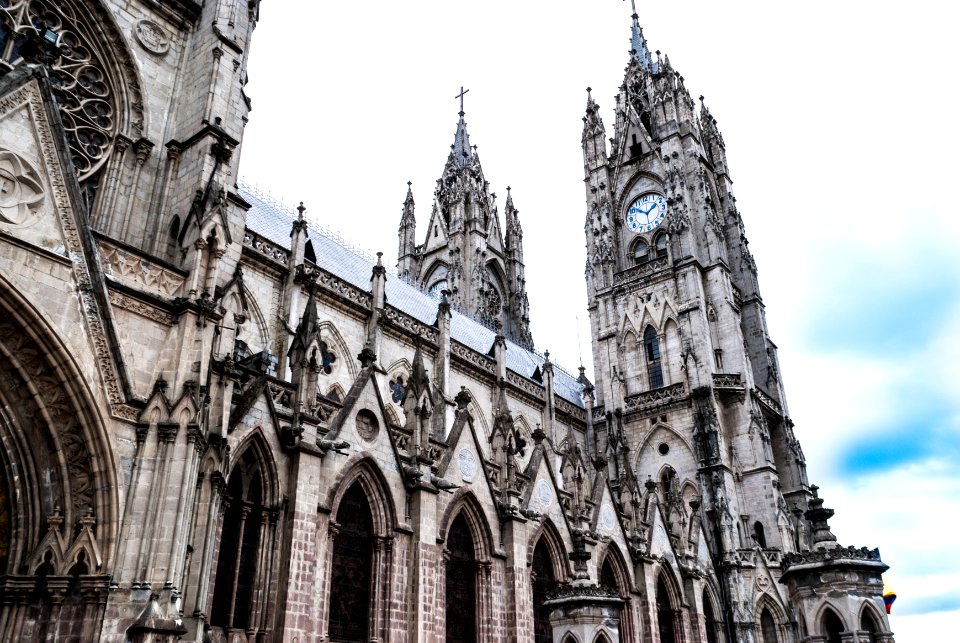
(638, 44)
(407, 256)
(462, 152)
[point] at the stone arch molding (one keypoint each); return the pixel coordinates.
(362, 469)
(58, 465)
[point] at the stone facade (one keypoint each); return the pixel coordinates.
(220, 425)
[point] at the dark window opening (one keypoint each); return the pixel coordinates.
(666, 481)
(461, 584)
(869, 625)
(758, 535)
(647, 123)
(641, 252)
(832, 627)
(660, 243)
(768, 629)
(239, 541)
(350, 577)
(652, 347)
(543, 582)
(665, 614)
(609, 579)
(309, 253)
(709, 622)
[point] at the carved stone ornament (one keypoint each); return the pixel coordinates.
(544, 493)
(138, 271)
(21, 190)
(467, 463)
(152, 37)
(608, 519)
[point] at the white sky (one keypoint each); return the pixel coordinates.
(839, 120)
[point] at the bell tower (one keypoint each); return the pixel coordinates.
(685, 369)
(465, 251)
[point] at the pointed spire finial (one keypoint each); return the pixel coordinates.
(300, 211)
(638, 44)
(460, 96)
(461, 148)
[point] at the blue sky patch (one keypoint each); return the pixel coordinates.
(927, 604)
(883, 307)
(920, 430)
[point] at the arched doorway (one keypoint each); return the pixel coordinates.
(58, 489)
(351, 573)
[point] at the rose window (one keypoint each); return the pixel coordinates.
(81, 85)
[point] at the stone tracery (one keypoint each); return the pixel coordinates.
(82, 84)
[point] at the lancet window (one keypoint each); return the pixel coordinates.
(351, 573)
(243, 516)
(461, 584)
(768, 628)
(665, 614)
(652, 350)
(544, 580)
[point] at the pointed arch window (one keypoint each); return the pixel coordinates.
(651, 346)
(758, 535)
(544, 581)
(608, 578)
(709, 620)
(461, 584)
(832, 627)
(660, 245)
(351, 572)
(868, 624)
(239, 541)
(668, 482)
(665, 613)
(768, 628)
(641, 252)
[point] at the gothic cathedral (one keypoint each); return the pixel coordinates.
(217, 424)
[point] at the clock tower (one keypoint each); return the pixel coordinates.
(688, 399)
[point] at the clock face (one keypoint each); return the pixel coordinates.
(647, 212)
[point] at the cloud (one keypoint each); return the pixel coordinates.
(915, 498)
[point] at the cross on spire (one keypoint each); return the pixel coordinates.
(460, 96)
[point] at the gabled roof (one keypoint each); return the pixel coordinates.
(269, 220)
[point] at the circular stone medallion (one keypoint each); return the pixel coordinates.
(544, 493)
(468, 464)
(608, 519)
(152, 37)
